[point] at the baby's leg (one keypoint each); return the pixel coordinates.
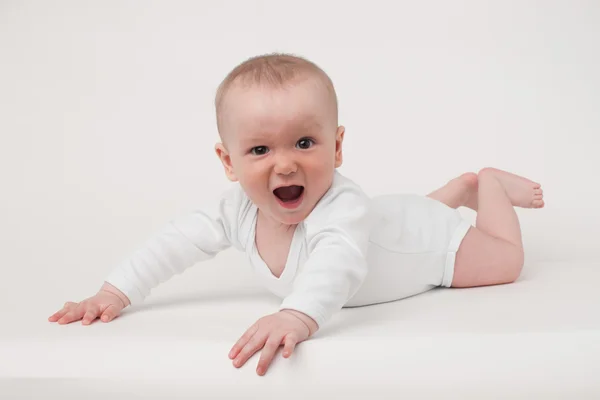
(492, 252)
(460, 191)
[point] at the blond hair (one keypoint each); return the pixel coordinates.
(275, 70)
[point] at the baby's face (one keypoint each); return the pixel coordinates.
(283, 146)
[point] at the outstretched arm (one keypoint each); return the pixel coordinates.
(183, 242)
(338, 233)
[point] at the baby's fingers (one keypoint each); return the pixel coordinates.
(268, 353)
(255, 344)
(60, 313)
(290, 343)
(73, 315)
(239, 345)
(91, 314)
(110, 313)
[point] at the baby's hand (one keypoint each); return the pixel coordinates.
(106, 305)
(285, 327)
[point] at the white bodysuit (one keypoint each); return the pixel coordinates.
(351, 250)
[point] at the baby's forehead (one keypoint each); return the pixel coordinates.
(296, 105)
(264, 125)
(302, 105)
(287, 91)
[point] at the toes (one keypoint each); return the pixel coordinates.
(538, 191)
(537, 203)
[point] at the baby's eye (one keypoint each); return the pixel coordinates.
(259, 150)
(305, 143)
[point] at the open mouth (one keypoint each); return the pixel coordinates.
(289, 194)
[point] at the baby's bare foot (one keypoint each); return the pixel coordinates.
(521, 191)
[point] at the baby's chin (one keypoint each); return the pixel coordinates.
(290, 218)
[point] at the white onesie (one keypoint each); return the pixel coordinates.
(351, 250)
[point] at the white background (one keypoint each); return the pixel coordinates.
(107, 122)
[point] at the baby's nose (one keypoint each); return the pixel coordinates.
(285, 165)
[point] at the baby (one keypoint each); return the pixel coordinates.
(311, 235)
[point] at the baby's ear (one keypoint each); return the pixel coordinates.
(339, 139)
(225, 158)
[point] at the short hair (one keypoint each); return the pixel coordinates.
(271, 70)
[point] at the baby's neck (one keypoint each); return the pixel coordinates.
(272, 225)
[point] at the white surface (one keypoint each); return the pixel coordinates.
(538, 337)
(107, 131)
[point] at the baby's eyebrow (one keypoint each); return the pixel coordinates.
(253, 140)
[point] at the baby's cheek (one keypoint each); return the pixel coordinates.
(255, 190)
(248, 175)
(322, 169)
